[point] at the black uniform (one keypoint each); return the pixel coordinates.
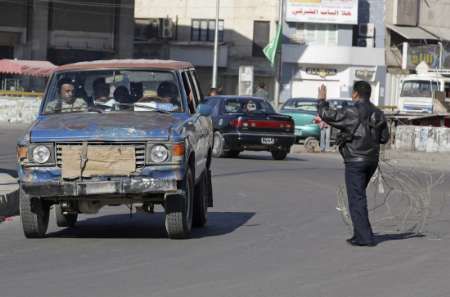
(363, 128)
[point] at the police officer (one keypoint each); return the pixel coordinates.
(363, 128)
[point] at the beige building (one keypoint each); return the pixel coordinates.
(184, 30)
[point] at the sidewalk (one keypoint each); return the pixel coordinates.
(427, 161)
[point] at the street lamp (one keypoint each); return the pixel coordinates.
(216, 46)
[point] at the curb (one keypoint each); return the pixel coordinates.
(9, 195)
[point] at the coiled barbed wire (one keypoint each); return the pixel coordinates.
(402, 195)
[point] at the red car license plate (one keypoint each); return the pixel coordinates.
(267, 140)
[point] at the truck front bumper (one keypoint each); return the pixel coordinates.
(123, 185)
(47, 182)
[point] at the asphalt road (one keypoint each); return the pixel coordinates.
(274, 231)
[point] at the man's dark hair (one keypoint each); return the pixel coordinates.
(261, 84)
(167, 89)
(363, 89)
(64, 81)
(99, 81)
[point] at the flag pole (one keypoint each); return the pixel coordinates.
(277, 85)
(216, 46)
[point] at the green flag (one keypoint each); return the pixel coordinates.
(270, 51)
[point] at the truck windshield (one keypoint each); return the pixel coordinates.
(419, 88)
(113, 90)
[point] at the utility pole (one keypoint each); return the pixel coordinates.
(276, 95)
(216, 46)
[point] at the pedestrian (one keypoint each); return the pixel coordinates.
(261, 91)
(363, 128)
(325, 130)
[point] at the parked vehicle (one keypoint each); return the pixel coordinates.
(147, 143)
(304, 111)
(417, 91)
(249, 123)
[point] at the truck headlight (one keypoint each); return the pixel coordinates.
(41, 154)
(159, 153)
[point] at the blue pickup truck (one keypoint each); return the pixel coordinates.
(118, 132)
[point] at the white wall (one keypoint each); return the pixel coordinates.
(19, 110)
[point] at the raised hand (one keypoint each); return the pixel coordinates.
(322, 92)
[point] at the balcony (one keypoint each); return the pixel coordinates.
(198, 53)
(80, 40)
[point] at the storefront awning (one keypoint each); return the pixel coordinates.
(412, 33)
(26, 67)
(441, 32)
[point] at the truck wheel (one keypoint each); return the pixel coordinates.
(34, 214)
(279, 155)
(201, 202)
(218, 145)
(65, 220)
(179, 222)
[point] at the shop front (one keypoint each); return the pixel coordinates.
(305, 69)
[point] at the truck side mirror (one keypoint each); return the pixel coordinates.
(204, 110)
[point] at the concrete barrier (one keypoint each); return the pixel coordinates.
(19, 109)
(422, 139)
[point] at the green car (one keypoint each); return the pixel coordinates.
(304, 113)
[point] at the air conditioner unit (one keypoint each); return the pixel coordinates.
(366, 42)
(167, 28)
(367, 30)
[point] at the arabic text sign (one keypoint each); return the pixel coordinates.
(322, 11)
(428, 53)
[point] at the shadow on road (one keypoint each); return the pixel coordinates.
(11, 172)
(379, 238)
(149, 226)
(267, 170)
(268, 157)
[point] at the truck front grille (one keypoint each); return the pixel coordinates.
(139, 150)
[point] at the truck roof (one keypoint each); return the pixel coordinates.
(127, 64)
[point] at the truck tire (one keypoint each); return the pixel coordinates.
(218, 145)
(179, 223)
(65, 220)
(209, 189)
(279, 155)
(200, 216)
(34, 214)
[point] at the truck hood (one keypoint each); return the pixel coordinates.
(126, 126)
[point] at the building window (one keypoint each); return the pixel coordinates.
(204, 29)
(316, 34)
(261, 35)
(148, 29)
